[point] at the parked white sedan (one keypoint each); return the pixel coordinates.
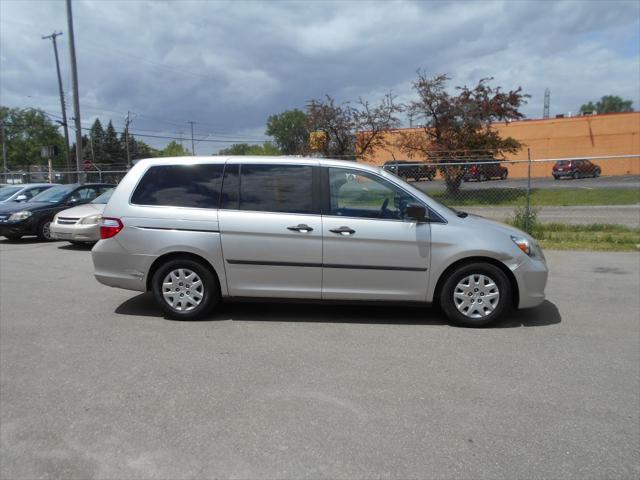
(81, 224)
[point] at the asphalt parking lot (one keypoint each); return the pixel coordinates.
(94, 383)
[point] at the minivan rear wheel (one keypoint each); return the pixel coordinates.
(185, 289)
(475, 294)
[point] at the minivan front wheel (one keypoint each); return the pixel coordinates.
(185, 289)
(475, 294)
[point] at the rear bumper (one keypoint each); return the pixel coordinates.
(76, 233)
(563, 174)
(116, 267)
(531, 277)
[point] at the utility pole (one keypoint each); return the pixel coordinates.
(76, 97)
(126, 138)
(62, 105)
(193, 146)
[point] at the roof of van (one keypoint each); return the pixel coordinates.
(256, 159)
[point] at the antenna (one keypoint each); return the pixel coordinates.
(547, 103)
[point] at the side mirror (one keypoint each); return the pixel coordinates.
(73, 200)
(416, 212)
(21, 198)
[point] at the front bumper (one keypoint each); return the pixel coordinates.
(23, 227)
(531, 276)
(76, 232)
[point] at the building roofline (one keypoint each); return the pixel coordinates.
(523, 120)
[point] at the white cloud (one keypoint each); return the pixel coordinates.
(233, 64)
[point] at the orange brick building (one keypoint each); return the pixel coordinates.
(586, 136)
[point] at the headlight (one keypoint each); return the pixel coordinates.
(530, 248)
(20, 216)
(91, 220)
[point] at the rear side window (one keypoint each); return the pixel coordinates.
(195, 186)
(276, 188)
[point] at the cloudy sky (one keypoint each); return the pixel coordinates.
(228, 65)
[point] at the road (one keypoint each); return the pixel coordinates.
(628, 215)
(627, 181)
(96, 384)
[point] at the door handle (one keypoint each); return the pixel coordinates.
(302, 228)
(343, 231)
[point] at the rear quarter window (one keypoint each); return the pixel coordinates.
(195, 186)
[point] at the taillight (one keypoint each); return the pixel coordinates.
(110, 227)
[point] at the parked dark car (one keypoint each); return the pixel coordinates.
(34, 216)
(406, 170)
(485, 171)
(575, 169)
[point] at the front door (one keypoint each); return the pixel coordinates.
(271, 231)
(370, 250)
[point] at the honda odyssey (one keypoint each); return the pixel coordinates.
(197, 230)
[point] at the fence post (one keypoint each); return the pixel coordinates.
(527, 208)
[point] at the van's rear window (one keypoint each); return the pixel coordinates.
(196, 186)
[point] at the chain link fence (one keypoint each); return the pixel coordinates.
(571, 191)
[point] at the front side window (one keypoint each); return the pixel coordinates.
(276, 188)
(195, 186)
(354, 193)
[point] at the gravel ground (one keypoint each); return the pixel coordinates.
(94, 383)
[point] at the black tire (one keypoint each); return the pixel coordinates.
(44, 231)
(504, 175)
(482, 177)
(597, 173)
(210, 289)
(13, 238)
(448, 303)
(556, 177)
(430, 177)
(576, 175)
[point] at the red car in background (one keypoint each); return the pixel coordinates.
(485, 171)
(575, 169)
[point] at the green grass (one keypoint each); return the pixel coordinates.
(540, 197)
(560, 236)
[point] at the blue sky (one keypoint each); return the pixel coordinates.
(229, 65)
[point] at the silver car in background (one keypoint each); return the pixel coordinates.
(81, 224)
(199, 229)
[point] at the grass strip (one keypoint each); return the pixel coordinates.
(603, 237)
(539, 197)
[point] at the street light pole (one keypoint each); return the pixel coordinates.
(76, 97)
(62, 105)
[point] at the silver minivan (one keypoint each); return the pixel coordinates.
(196, 230)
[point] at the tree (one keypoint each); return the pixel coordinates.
(371, 124)
(94, 149)
(336, 122)
(113, 149)
(174, 149)
(608, 104)
(26, 132)
(289, 129)
(457, 128)
(349, 130)
(267, 148)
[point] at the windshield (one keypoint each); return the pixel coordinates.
(54, 194)
(104, 198)
(6, 192)
(562, 163)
